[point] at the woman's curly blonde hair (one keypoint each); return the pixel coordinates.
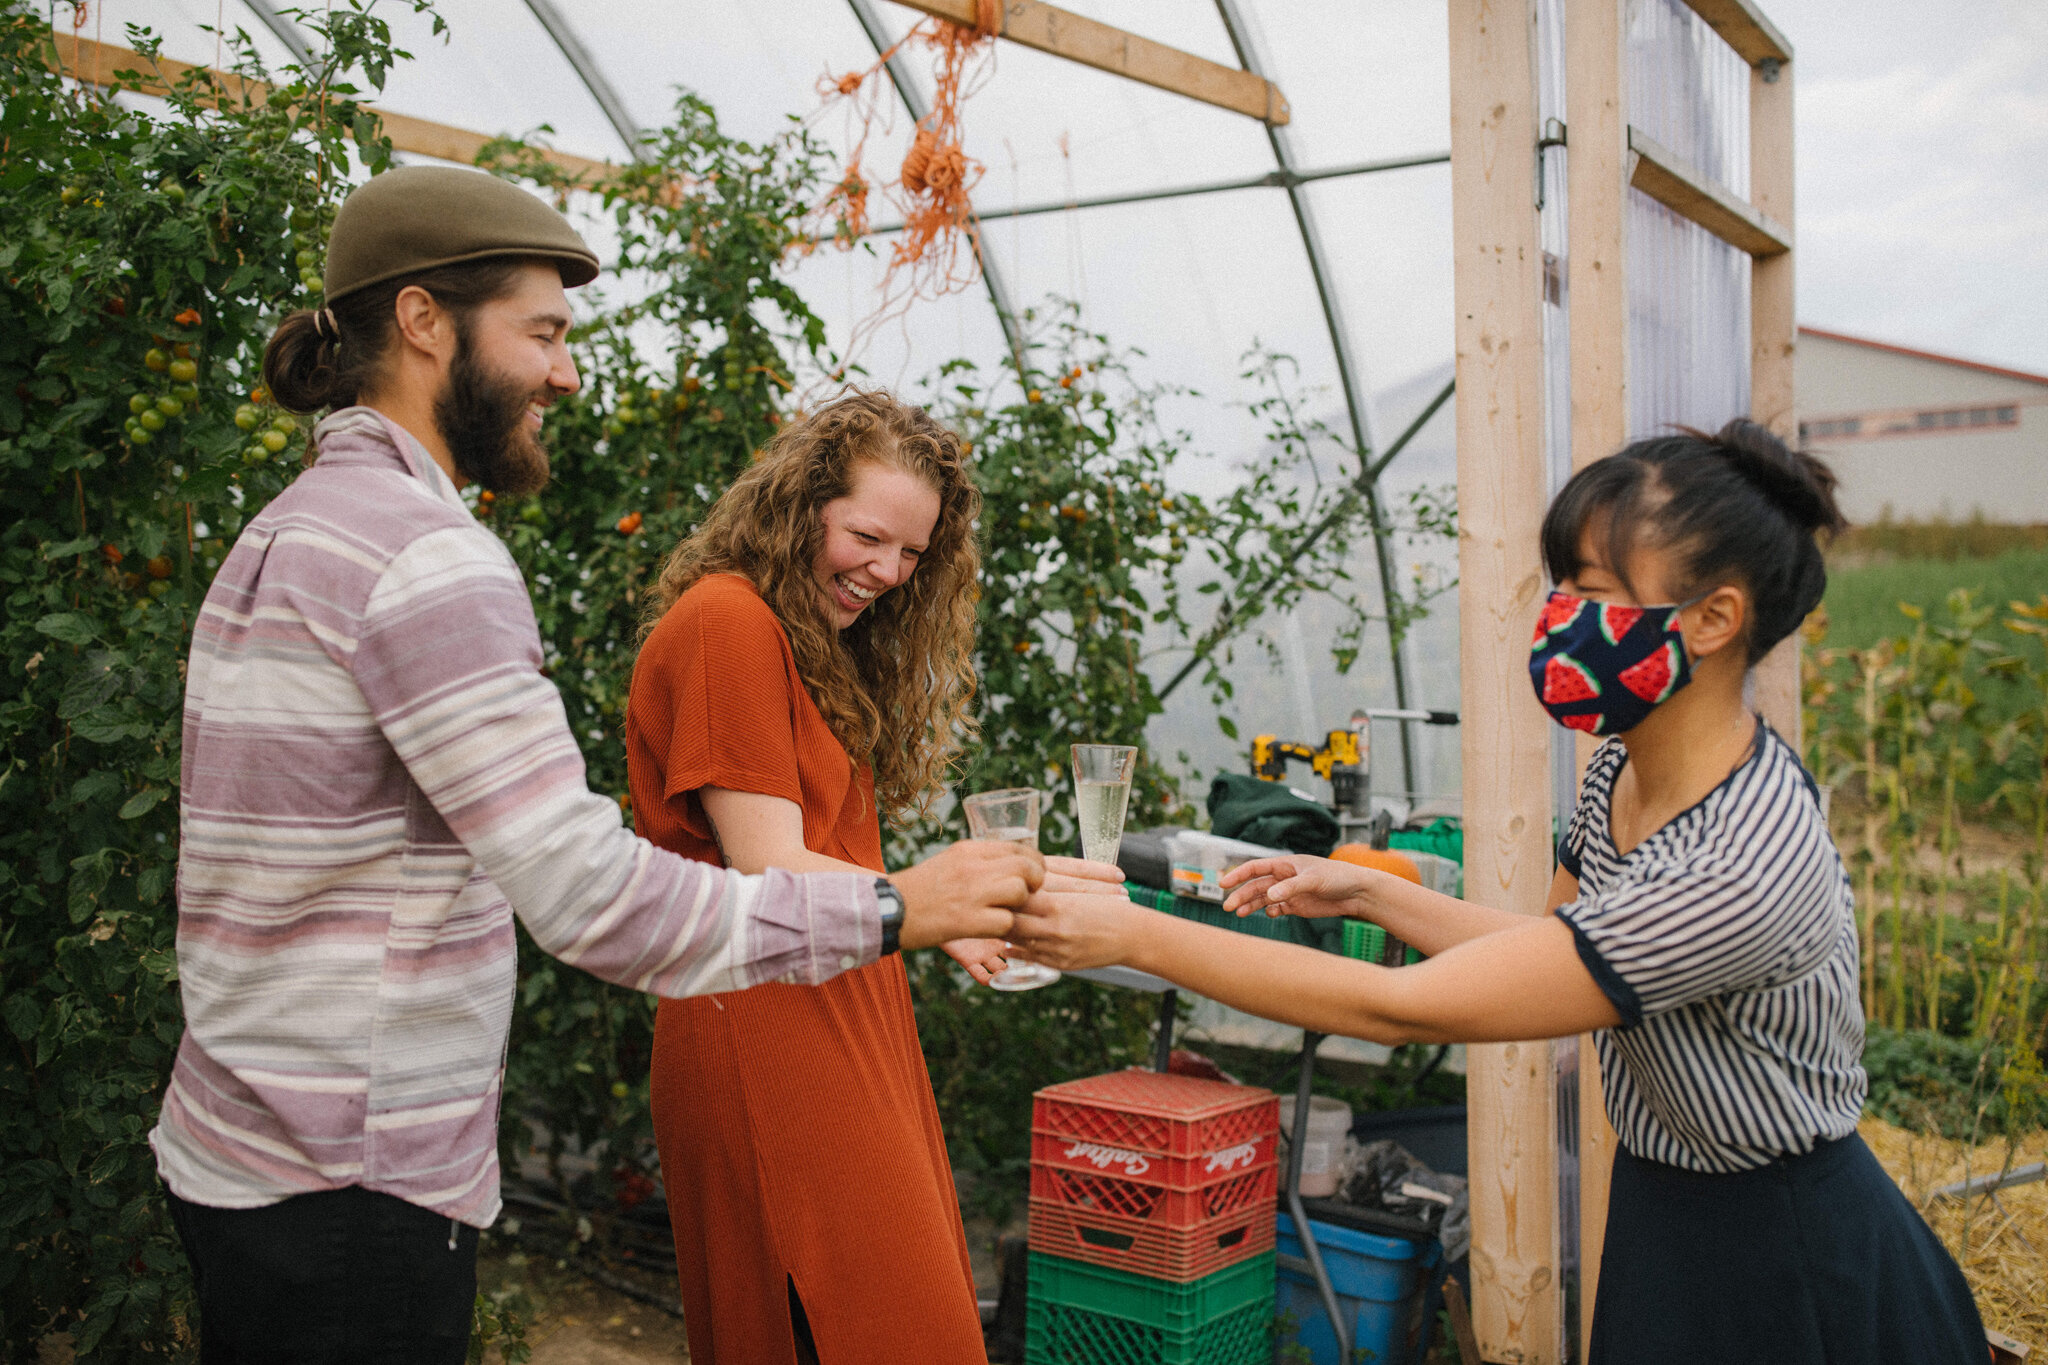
(895, 685)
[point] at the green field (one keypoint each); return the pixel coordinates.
(1863, 602)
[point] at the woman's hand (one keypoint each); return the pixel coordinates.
(982, 957)
(1074, 930)
(1298, 884)
(1081, 876)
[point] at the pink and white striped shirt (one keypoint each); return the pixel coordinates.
(376, 779)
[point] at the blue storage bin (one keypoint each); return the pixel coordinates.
(1387, 1286)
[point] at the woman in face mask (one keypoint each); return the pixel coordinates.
(1700, 923)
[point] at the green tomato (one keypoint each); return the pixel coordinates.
(256, 454)
(142, 435)
(173, 191)
(620, 1090)
(247, 417)
(184, 371)
(272, 441)
(169, 406)
(70, 195)
(158, 588)
(628, 415)
(185, 393)
(285, 423)
(532, 514)
(314, 284)
(139, 403)
(151, 420)
(156, 360)
(307, 258)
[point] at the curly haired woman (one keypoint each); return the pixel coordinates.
(811, 667)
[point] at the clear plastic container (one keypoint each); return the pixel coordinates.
(1199, 861)
(1328, 1122)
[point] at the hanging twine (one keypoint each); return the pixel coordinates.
(939, 250)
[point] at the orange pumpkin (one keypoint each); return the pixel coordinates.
(1385, 859)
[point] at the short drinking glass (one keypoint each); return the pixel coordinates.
(1011, 816)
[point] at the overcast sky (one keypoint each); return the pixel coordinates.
(1923, 172)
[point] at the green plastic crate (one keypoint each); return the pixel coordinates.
(1366, 941)
(1084, 1314)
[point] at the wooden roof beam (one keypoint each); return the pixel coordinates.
(1743, 27)
(1657, 172)
(95, 63)
(1065, 34)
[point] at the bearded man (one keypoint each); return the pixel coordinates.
(377, 778)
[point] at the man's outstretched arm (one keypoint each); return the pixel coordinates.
(449, 660)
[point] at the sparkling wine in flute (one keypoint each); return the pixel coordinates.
(1100, 808)
(1102, 795)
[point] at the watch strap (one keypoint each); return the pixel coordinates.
(891, 901)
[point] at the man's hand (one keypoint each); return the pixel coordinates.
(1073, 930)
(968, 891)
(1297, 885)
(982, 957)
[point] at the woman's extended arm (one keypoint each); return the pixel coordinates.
(1298, 884)
(1519, 982)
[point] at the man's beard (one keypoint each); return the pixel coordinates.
(482, 417)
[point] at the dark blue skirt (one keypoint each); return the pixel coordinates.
(1813, 1259)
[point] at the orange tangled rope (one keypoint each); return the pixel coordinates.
(939, 250)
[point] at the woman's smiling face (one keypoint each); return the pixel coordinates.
(873, 538)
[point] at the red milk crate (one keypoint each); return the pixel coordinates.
(1150, 1249)
(1061, 1176)
(1178, 1131)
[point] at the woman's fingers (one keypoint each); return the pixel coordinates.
(1085, 886)
(1259, 867)
(1071, 931)
(1081, 869)
(1250, 896)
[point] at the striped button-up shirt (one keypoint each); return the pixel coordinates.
(376, 778)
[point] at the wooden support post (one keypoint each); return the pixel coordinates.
(93, 63)
(1091, 43)
(1773, 333)
(1596, 110)
(1498, 268)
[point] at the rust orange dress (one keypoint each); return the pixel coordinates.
(800, 1146)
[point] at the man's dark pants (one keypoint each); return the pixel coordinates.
(323, 1279)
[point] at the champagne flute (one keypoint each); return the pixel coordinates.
(1102, 796)
(1010, 816)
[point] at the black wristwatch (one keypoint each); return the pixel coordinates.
(891, 901)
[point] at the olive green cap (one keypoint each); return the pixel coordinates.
(416, 218)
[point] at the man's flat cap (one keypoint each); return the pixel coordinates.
(416, 218)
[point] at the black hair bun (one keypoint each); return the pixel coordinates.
(1797, 484)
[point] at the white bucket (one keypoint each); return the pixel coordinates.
(1328, 1121)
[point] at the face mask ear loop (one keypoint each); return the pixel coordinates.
(1678, 613)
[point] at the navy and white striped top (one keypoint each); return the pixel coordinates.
(1727, 942)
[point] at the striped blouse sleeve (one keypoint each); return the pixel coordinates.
(1683, 930)
(449, 660)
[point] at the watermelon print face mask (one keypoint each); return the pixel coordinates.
(1600, 667)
